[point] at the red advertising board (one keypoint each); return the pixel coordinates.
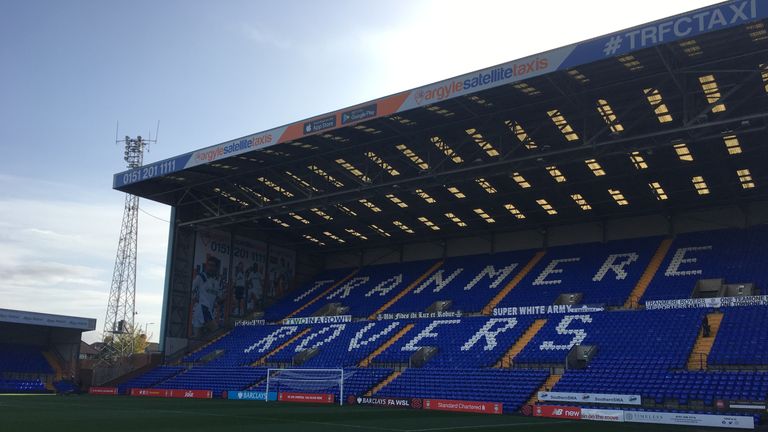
(573, 413)
(463, 406)
(148, 392)
(190, 394)
(414, 403)
(180, 394)
(322, 398)
(103, 390)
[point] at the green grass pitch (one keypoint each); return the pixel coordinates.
(82, 413)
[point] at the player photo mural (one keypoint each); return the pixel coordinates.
(233, 277)
(281, 269)
(249, 261)
(210, 287)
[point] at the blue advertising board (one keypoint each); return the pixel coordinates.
(251, 395)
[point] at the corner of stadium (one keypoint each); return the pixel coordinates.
(566, 241)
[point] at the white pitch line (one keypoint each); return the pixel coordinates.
(489, 426)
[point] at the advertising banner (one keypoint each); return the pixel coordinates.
(546, 309)
(602, 415)
(149, 392)
(715, 302)
(251, 395)
(322, 398)
(174, 393)
(320, 124)
(572, 413)
(690, 419)
(190, 394)
(103, 391)
(358, 114)
(250, 323)
(386, 402)
(595, 398)
(336, 319)
(463, 406)
(418, 315)
(747, 405)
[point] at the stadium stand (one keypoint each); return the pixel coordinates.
(742, 339)
(40, 352)
(23, 369)
(306, 293)
(21, 386)
(461, 343)
(215, 379)
(338, 345)
(507, 237)
(474, 385)
(240, 347)
(371, 287)
(644, 339)
(603, 273)
(643, 352)
(23, 359)
(467, 283)
(737, 256)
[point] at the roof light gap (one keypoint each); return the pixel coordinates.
(485, 216)
(389, 169)
(521, 134)
(609, 116)
(712, 93)
(745, 178)
(546, 206)
(413, 157)
(562, 125)
(446, 149)
(618, 197)
(480, 140)
(514, 210)
(654, 98)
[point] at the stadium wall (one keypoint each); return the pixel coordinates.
(421, 251)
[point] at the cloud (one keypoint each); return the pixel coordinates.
(48, 274)
(263, 36)
(57, 254)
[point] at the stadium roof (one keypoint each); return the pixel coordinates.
(659, 118)
(46, 320)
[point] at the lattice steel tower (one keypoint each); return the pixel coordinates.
(122, 294)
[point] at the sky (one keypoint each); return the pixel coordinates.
(209, 71)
